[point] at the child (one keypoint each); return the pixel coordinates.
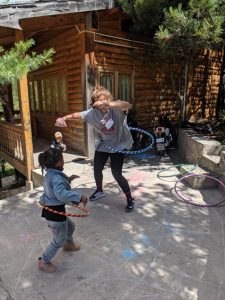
(57, 193)
(57, 143)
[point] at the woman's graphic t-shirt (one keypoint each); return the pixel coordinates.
(111, 127)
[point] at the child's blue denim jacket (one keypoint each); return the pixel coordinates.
(57, 190)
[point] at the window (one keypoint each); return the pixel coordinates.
(36, 98)
(107, 80)
(124, 90)
(56, 95)
(43, 97)
(64, 95)
(49, 94)
(15, 93)
(119, 84)
(31, 95)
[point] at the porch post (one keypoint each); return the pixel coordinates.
(25, 116)
(88, 80)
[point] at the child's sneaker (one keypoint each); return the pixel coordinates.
(71, 247)
(46, 267)
(130, 205)
(96, 195)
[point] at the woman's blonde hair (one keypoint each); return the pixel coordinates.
(98, 92)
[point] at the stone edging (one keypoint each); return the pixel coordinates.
(9, 193)
(197, 148)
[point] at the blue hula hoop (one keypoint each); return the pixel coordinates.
(194, 166)
(150, 137)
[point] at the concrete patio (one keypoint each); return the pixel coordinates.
(164, 250)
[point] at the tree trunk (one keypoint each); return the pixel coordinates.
(7, 110)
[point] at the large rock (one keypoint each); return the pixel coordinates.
(211, 163)
(222, 160)
(198, 182)
(193, 146)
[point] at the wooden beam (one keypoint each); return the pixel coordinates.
(7, 36)
(9, 40)
(39, 24)
(25, 116)
(110, 12)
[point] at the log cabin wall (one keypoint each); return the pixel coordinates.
(150, 91)
(153, 91)
(131, 70)
(204, 85)
(56, 90)
(155, 84)
(112, 63)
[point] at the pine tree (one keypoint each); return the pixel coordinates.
(180, 28)
(15, 63)
(185, 32)
(198, 27)
(147, 15)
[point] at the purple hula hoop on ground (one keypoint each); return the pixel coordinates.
(190, 200)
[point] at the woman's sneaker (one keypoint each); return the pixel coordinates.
(46, 267)
(96, 195)
(130, 205)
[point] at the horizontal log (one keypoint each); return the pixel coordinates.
(112, 49)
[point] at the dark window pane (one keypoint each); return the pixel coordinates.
(48, 95)
(36, 95)
(64, 95)
(15, 95)
(43, 95)
(56, 95)
(106, 80)
(124, 92)
(31, 95)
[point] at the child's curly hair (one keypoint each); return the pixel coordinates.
(99, 91)
(49, 158)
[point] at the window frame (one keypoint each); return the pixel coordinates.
(115, 75)
(46, 98)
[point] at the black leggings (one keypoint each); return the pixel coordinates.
(116, 159)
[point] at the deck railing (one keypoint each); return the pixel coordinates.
(12, 146)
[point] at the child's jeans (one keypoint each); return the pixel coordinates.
(63, 233)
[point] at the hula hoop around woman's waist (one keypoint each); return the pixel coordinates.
(133, 152)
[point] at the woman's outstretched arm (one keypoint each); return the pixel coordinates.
(61, 122)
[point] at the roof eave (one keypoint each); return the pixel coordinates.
(10, 14)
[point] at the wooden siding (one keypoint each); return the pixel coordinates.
(204, 85)
(154, 91)
(66, 64)
(113, 60)
(151, 91)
